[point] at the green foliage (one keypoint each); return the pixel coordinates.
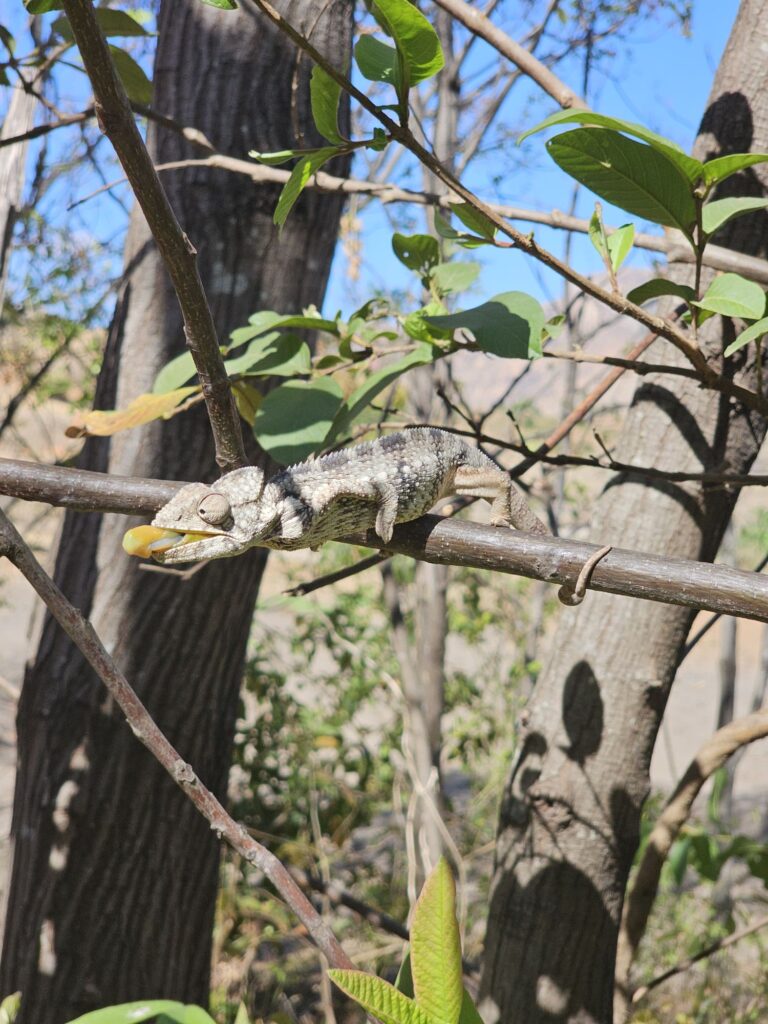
(733, 295)
(294, 419)
(657, 287)
(112, 23)
(636, 177)
(419, 53)
(717, 213)
(429, 987)
(378, 62)
(132, 75)
(300, 175)
(613, 248)
(325, 94)
(752, 333)
(417, 252)
(508, 325)
(9, 1008)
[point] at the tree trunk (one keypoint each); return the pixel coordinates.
(19, 119)
(114, 873)
(570, 815)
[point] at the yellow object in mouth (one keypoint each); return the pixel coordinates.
(147, 541)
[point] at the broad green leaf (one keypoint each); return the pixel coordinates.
(275, 355)
(404, 979)
(752, 333)
(280, 156)
(553, 328)
(223, 5)
(112, 23)
(734, 295)
(475, 220)
(373, 385)
(294, 419)
(678, 858)
(379, 998)
(148, 1009)
(469, 1012)
(595, 232)
(692, 169)
(324, 94)
(378, 62)
(247, 400)
(417, 252)
(242, 1015)
(300, 175)
(628, 174)
(720, 211)
(417, 324)
(266, 320)
(143, 409)
(175, 373)
(416, 40)
(9, 43)
(723, 167)
(619, 244)
(436, 948)
(454, 277)
(657, 287)
(508, 325)
(135, 81)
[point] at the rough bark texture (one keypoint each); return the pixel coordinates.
(570, 817)
(114, 873)
(19, 118)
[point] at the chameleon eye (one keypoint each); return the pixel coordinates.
(214, 509)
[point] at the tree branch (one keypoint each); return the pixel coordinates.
(638, 903)
(146, 730)
(446, 542)
(116, 121)
(481, 26)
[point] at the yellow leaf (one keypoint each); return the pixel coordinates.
(247, 400)
(103, 423)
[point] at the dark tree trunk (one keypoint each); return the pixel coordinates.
(570, 818)
(114, 874)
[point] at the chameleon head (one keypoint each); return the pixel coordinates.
(204, 521)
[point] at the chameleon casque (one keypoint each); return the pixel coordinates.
(376, 484)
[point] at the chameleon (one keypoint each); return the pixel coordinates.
(376, 484)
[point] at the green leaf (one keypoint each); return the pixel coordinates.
(720, 211)
(692, 169)
(324, 94)
(148, 1009)
(723, 167)
(436, 948)
(294, 418)
(734, 295)
(454, 277)
(135, 81)
(752, 333)
(242, 1015)
(657, 287)
(417, 252)
(175, 373)
(596, 235)
(378, 62)
(379, 998)
(418, 327)
(43, 6)
(619, 244)
(678, 859)
(223, 5)
(508, 325)
(417, 42)
(475, 220)
(404, 979)
(111, 22)
(280, 156)
(469, 1012)
(553, 328)
(300, 175)
(628, 174)
(266, 320)
(373, 385)
(275, 355)
(9, 1008)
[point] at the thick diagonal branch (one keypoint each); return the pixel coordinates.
(637, 907)
(179, 254)
(145, 729)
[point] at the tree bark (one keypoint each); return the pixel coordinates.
(114, 873)
(570, 816)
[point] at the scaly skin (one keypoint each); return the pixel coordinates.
(377, 484)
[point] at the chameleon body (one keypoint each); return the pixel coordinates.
(375, 485)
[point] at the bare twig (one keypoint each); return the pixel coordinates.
(146, 730)
(444, 541)
(116, 120)
(637, 906)
(335, 577)
(686, 965)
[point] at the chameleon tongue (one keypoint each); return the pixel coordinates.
(146, 541)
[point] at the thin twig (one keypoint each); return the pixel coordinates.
(116, 121)
(146, 730)
(335, 577)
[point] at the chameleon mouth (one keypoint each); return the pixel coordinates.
(151, 541)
